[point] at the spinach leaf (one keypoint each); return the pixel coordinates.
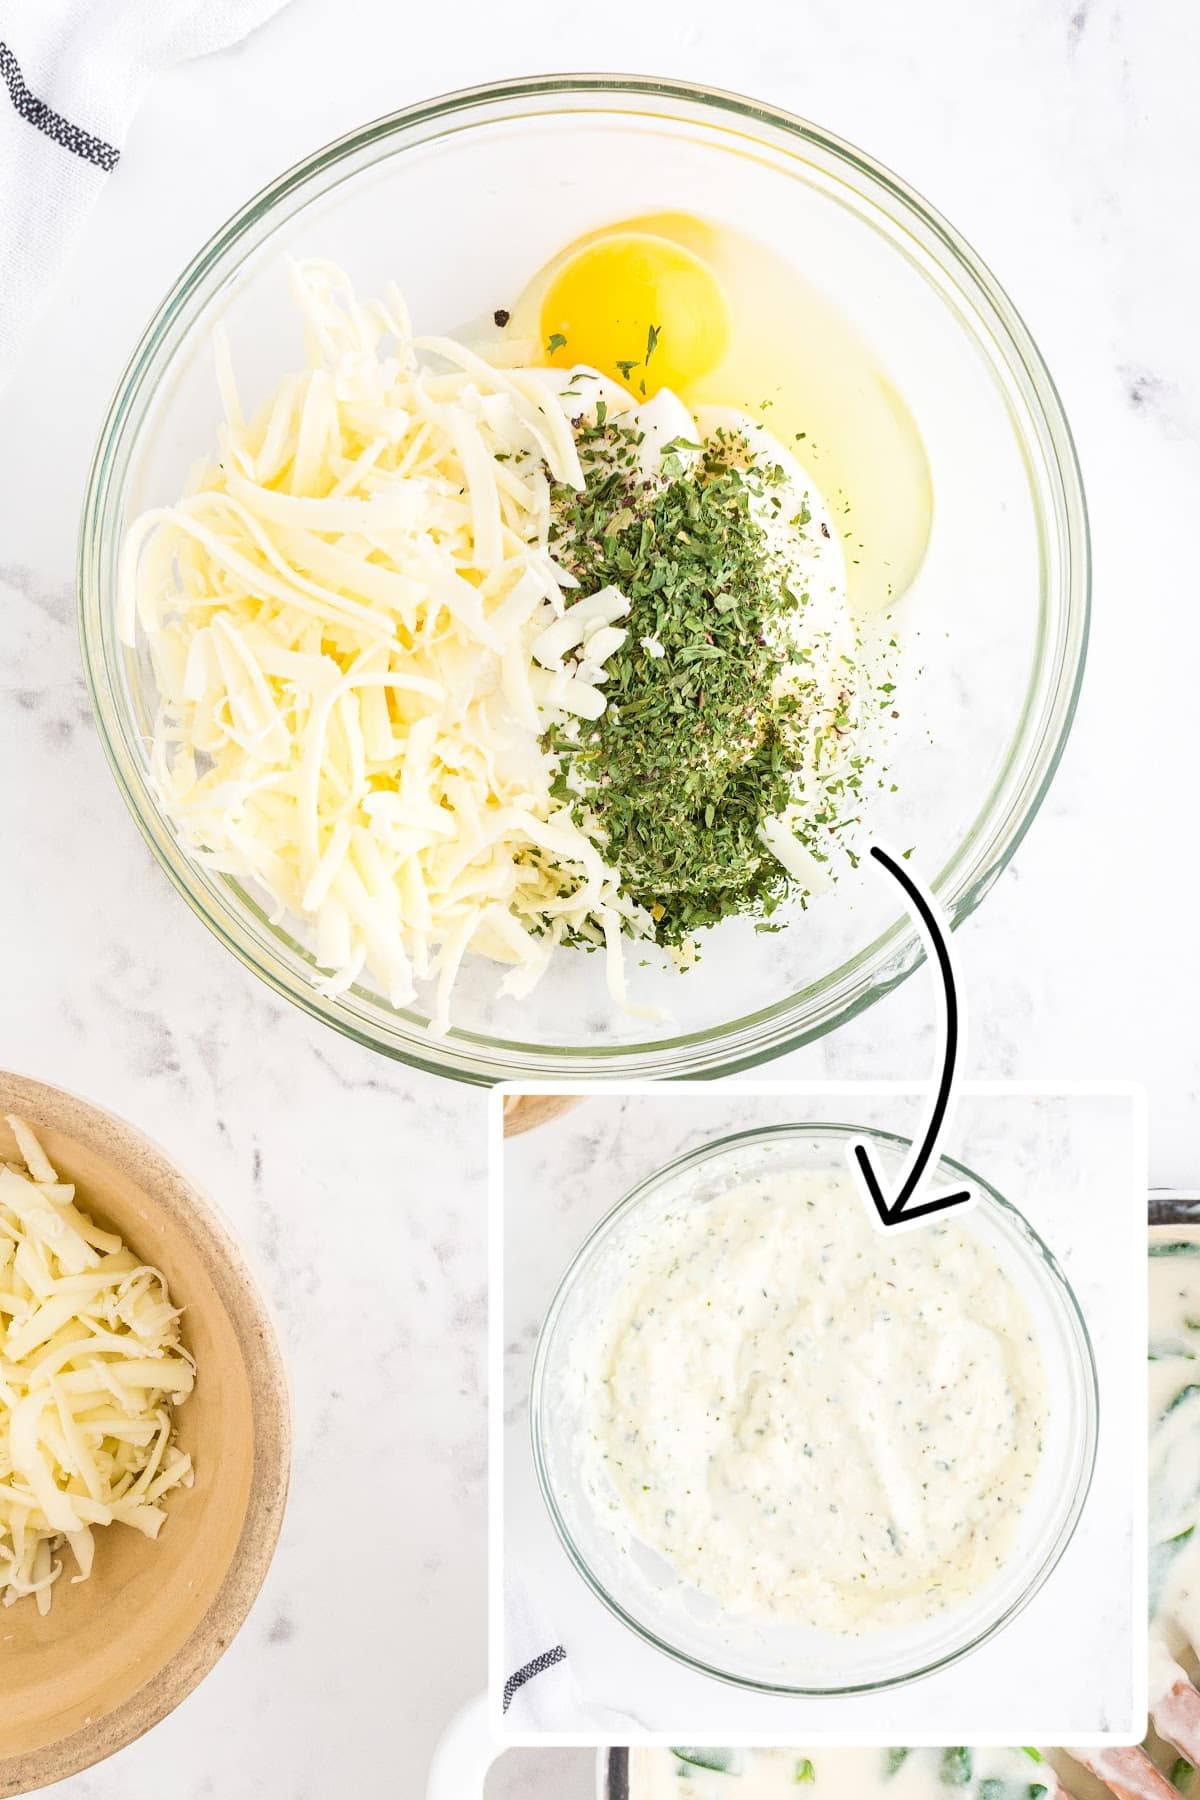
(958, 1766)
(721, 1762)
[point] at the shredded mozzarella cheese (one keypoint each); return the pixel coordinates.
(359, 636)
(91, 1361)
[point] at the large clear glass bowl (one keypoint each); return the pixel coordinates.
(460, 200)
(639, 1587)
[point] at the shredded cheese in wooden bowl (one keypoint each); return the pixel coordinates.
(91, 1365)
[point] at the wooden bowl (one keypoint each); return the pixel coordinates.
(116, 1653)
(523, 1112)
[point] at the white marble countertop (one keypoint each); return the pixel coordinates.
(543, 1775)
(1060, 136)
(1059, 1160)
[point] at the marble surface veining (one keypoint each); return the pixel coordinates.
(1060, 1161)
(1060, 136)
(543, 1775)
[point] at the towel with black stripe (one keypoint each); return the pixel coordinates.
(72, 73)
(542, 1691)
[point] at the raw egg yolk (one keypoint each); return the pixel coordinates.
(639, 308)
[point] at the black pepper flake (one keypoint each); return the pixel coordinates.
(502, 316)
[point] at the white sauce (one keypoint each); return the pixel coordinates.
(1174, 1534)
(1174, 1368)
(809, 1420)
(864, 1774)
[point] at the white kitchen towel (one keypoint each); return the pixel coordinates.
(71, 75)
(541, 1692)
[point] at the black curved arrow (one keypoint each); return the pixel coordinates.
(897, 1211)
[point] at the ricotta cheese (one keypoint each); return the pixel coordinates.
(808, 1420)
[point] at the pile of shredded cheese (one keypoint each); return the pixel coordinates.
(359, 637)
(90, 1363)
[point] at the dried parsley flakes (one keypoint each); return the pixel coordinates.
(700, 741)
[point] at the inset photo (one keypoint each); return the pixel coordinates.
(880, 1773)
(778, 1460)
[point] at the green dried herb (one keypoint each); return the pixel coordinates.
(696, 747)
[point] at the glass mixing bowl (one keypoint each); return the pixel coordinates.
(640, 1588)
(460, 200)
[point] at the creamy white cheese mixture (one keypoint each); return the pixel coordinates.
(1174, 1534)
(808, 1419)
(863, 1774)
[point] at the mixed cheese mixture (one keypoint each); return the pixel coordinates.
(382, 622)
(809, 1420)
(91, 1365)
(993, 1774)
(868, 1774)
